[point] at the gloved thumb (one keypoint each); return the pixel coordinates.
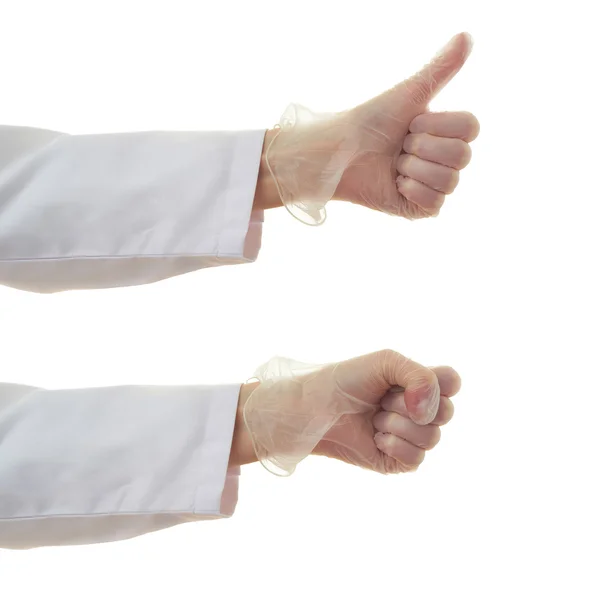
(421, 385)
(420, 89)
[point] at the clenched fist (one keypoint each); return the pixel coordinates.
(380, 411)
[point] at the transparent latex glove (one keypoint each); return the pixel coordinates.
(379, 411)
(389, 154)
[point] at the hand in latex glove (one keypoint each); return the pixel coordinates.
(348, 411)
(388, 154)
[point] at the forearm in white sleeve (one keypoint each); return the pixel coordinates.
(110, 210)
(99, 465)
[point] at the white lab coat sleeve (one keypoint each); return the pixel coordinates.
(99, 465)
(111, 210)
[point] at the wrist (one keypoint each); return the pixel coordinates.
(242, 449)
(266, 195)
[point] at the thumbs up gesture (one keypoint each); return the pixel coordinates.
(389, 154)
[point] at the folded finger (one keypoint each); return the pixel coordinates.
(422, 436)
(462, 125)
(408, 455)
(451, 152)
(436, 176)
(420, 195)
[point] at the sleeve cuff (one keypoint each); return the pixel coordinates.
(242, 226)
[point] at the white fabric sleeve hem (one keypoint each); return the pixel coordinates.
(242, 226)
(115, 210)
(108, 464)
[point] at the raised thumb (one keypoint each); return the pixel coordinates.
(423, 86)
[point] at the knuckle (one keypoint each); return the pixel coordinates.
(427, 378)
(386, 364)
(391, 358)
(387, 355)
(420, 90)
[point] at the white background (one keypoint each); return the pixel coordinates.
(502, 286)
